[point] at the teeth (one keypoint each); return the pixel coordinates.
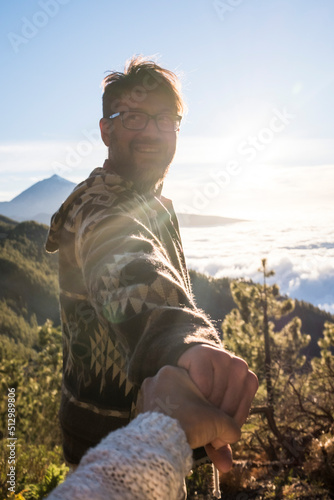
(147, 149)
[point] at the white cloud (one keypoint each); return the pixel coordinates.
(281, 150)
(257, 192)
(302, 256)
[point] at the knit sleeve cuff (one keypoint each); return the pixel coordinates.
(146, 460)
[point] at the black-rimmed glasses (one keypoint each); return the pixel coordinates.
(138, 120)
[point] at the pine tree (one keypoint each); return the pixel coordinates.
(273, 355)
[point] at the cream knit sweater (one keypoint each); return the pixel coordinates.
(146, 460)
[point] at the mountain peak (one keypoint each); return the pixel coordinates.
(56, 177)
(43, 197)
(44, 186)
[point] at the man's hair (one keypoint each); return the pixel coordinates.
(141, 75)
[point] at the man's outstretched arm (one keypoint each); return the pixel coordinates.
(138, 290)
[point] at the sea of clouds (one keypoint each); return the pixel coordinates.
(301, 254)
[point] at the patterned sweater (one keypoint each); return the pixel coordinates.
(125, 299)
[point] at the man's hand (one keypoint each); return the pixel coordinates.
(171, 391)
(226, 381)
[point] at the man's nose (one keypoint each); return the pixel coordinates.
(152, 127)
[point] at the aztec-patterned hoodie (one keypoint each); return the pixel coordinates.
(126, 303)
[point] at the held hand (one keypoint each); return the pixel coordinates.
(228, 384)
(171, 391)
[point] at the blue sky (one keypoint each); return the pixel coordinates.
(257, 75)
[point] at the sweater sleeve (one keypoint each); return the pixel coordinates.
(135, 287)
(147, 459)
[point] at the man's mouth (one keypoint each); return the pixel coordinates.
(147, 148)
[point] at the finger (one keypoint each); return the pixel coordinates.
(204, 424)
(221, 364)
(236, 387)
(251, 388)
(201, 362)
(173, 392)
(220, 442)
(221, 458)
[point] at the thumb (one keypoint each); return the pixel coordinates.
(214, 426)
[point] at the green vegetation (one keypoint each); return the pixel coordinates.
(28, 276)
(287, 449)
(35, 377)
(30, 359)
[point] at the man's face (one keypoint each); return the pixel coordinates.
(142, 156)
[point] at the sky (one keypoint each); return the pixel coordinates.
(257, 76)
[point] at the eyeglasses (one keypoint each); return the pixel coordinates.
(138, 120)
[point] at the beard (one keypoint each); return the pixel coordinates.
(146, 171)
(148, 180)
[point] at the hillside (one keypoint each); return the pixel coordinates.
(29, 283)
(31, 362)
(28, 275)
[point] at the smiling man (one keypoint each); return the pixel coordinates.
(141, 137)
(126, 302)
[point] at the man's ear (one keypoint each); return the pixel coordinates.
(105, 130)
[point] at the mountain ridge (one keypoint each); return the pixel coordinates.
(32, 202)
(42, 199)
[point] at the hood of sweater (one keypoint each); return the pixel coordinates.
(94, 186)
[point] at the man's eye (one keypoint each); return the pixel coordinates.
(165, 118)
(134, 117)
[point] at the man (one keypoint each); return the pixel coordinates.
(126, 302)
